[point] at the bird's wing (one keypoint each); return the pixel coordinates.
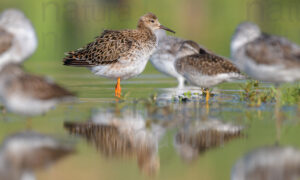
(206, 64)
(6, 40)
(274, 50)
(106, 49)
(39, 87)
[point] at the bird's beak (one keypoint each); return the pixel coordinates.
(165, 28)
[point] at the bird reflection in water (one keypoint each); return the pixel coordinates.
(125, 134)
(268, 163)
(200, 136)
(22, 153)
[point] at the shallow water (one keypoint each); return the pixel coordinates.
(144, 138)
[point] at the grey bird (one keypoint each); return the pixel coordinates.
(18, 38)
(24, 152)
(268, 163)
(265, 57)
(165, 55)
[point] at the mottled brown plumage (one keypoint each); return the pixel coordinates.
(106, 49)
(111, 142)
(113, 45)
(204, 68)
(30, 85)
(6, 39)
(202, 136)
(40, 87)
(271, 50)
(119, 54)
(206, 139)
(204, 62)
(107, 138)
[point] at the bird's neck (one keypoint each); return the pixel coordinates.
(25, 37)
(146, 31)
(237, 43)
(160, 34)
(239, 40)
(142, 27)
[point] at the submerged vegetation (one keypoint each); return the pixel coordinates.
(254, 94)
(290, 95)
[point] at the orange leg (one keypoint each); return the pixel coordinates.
(207, 95)
(118, 88)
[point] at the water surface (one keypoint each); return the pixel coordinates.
(149, 135)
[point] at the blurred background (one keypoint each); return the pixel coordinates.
(64, 25)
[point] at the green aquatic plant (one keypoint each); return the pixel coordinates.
(290, 95)
(254, 95)
(188, 94)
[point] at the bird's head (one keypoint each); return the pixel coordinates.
(244, 33)
(189, 47)
(150, 21)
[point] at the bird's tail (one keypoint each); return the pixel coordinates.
(75, 59)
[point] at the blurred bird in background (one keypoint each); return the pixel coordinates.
(20, 92)
(23, 153)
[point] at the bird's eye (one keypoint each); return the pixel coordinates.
(152, 21)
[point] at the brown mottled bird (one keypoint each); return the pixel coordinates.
(28, 94)
(125, 134)
(203, 135)
(204, 68)
(119, 54)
